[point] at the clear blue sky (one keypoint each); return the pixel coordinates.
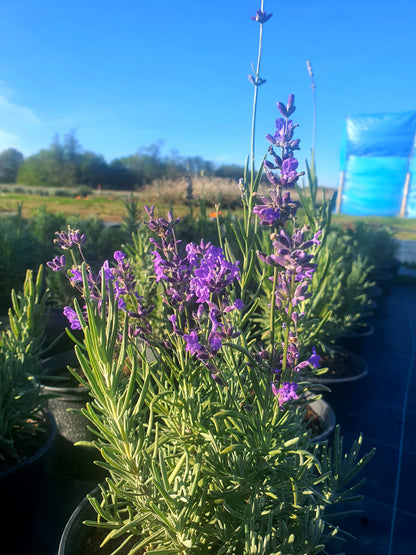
(126, 74)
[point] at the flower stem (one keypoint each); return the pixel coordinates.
(254, 116)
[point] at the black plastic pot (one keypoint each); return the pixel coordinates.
(65, 397)
(65, 403)
(354, 339)
(327, 419)
(75, 535)
(79, 539)
(20, 489)
(353, 368)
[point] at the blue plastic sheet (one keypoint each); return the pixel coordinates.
(376, 155)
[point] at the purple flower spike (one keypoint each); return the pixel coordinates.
(261, 17)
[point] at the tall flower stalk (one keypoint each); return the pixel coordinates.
(246, 234)
(261, 17)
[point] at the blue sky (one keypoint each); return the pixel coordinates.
(126, 74)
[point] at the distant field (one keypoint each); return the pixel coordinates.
(402, 228)
(109, 205)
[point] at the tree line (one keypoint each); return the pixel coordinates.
(67, 164)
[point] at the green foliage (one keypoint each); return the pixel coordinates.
(190, 469)
(378, 246)
(10, 161)
(42, 170)
(17, 248)
(339, 289)
(25, 244)
(21, 347)
(131, 220)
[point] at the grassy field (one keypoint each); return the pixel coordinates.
(109, 205)
(402, 228)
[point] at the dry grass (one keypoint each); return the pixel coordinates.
(109, 205)
(212, 190)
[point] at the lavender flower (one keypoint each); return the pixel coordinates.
(70, 238)
(57, 264)
(72, 318)
(286, 392)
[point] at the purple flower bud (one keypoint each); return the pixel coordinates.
(268, 165)
(272, 178)
(314, 359)
(271, 139)
(290, 105)
(315, 239)
(282, 109)
(261, 17)
(217, 379)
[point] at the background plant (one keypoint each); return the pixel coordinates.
(21, 348)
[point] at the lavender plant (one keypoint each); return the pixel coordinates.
(203, 430)
(21, 346)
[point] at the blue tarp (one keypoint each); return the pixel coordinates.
(376, 155)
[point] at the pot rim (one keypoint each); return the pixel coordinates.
(330, 419)
(351, 334)
(356, 358)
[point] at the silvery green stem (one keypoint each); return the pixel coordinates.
(253, 122)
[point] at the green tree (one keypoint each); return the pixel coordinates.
(41, 170)
(10, 161)
(232, 171)
(92, 170)
(56, 166)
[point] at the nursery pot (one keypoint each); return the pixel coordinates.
(20, 489)
(375, 292)
(326, 419)
(78, 539)
(354, 339)
(65, 397)
(343, 367)
(65, 403)
(370, 310)
(75, 536)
